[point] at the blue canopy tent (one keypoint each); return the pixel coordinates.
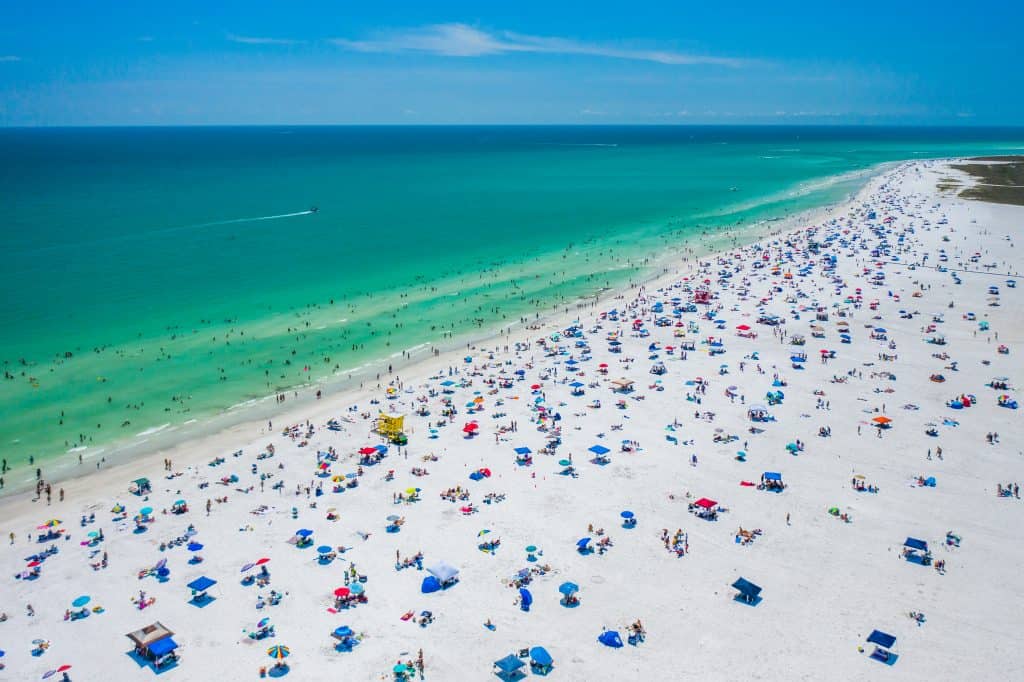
(541, 662)
(599, 450)
(772, 476)
(199, 586)
(884, 642)
(911, 548)
(748, 592)
(430, 584)
(508, 668)
(610, 638)
(523, 451)
(162, 647)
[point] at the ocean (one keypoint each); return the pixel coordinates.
(154, 277)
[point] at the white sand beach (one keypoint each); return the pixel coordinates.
(895, 286)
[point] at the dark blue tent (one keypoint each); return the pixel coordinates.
(162, 647)
(599, 449)
(540, 656)
(509, 664)
(772, 476)
(914, 543)
(882, 639)
(201, 584)
(610, 638)
(582, 543)
(748, 590)
(430, 584)
(343, 631)
(523, 451)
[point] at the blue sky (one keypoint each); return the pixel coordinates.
(414, 62)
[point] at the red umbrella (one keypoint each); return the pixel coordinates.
(63, 668)
(743, 327)
(342, 592)
(260, 562)
(705, 503)
(470, 427)
(535, 387)
(33, 564)
(367, 451)
(603, 364)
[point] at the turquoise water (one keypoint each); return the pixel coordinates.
(158, 275)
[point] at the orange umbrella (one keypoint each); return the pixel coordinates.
(881, 420)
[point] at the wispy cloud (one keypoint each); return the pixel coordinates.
(462, 40)
(254, 40)
(10, 58)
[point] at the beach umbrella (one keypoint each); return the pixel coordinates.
(400, 668)
(351, 475)
(525, 596)
(392, 517)
(626, 514)
(303, 532)
(34, 563)
(146, 511)
(582, 543)
(160, 564)
(411, 491)
(194, 547)
(564, 462)
(881, 420)
(323, 549)
(81, 601)
(278, 651)
(52, 523)
(264, 622)
(163, 572)
(367, 451)
(93, 534)
(117, 508)
(568, 588)
(48, 674)
(342, 592)
(247, 567)
(260, 562)
(64, 668)
(357, 588)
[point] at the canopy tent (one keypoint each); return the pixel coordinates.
(882, 639)
(162, 647)
(748, 591)
(444, 572)
(914, 543)
(705, 503)
(772, 476)
(523, 451)
(201, 584)
(540, 656)
(599, 449)
(610, 638)
(509, 664)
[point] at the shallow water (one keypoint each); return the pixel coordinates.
(158, 275)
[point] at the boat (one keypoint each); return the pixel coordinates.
(314, 209)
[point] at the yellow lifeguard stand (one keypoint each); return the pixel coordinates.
(391, 426)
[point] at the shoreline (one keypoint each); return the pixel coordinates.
(170, 440)
(251, 414)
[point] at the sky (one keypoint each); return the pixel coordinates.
(524, 62)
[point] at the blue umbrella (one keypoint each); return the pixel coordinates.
(356, 588)
(525, 595)
(194, 547)
(343, 631)
(626, 514)
(323, 549)
(582, 543)
(81, 601)
(568, 588)
(304, 532)
(146, 511)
